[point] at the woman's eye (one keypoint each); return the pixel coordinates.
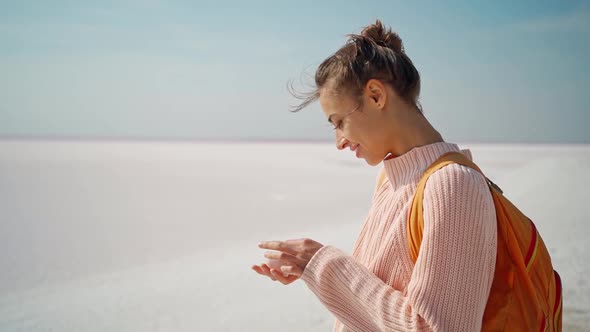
(338, 125)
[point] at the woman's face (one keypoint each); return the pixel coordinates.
(359, 124)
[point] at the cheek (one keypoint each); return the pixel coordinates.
(363, 132)
(369, 138)
(366, 134)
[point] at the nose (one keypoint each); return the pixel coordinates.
(341, 142)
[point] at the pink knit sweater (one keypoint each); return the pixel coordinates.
(379, 288)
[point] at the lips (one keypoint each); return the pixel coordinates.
(356, 149)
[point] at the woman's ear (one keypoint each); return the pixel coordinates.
(376, 92)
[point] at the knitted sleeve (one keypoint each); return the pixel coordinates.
(452, 277)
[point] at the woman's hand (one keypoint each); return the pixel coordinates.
(289, 261)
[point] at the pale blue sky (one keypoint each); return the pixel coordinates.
(497, 72)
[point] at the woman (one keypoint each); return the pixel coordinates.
(368, 91)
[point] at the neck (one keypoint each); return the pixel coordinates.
(416, 131)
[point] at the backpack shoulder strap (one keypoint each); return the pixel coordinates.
(381, 177)
(415, 223)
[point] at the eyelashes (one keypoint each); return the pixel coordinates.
(336, 126)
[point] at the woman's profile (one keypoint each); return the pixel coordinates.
(368, 91)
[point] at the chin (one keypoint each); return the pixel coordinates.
(372, 162)
(370, 158)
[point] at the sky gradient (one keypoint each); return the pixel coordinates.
(495, 72)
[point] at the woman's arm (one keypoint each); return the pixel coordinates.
(450, 282)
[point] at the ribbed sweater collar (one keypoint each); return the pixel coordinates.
(409, 167)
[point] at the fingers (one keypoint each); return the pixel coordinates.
(287, 263)
(292, 270)
(282, 278)
(284, 274)
(287, 246)
(282, 256)
(264, 270)
(301, 248)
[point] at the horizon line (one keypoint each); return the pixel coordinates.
(232, 140)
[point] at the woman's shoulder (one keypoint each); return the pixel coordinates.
(455, 177)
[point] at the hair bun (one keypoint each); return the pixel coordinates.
(383, 36)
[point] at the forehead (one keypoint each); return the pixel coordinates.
(332, 102)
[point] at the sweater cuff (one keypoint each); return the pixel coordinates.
(318, 262)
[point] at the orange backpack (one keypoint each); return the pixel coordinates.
(526, 290)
